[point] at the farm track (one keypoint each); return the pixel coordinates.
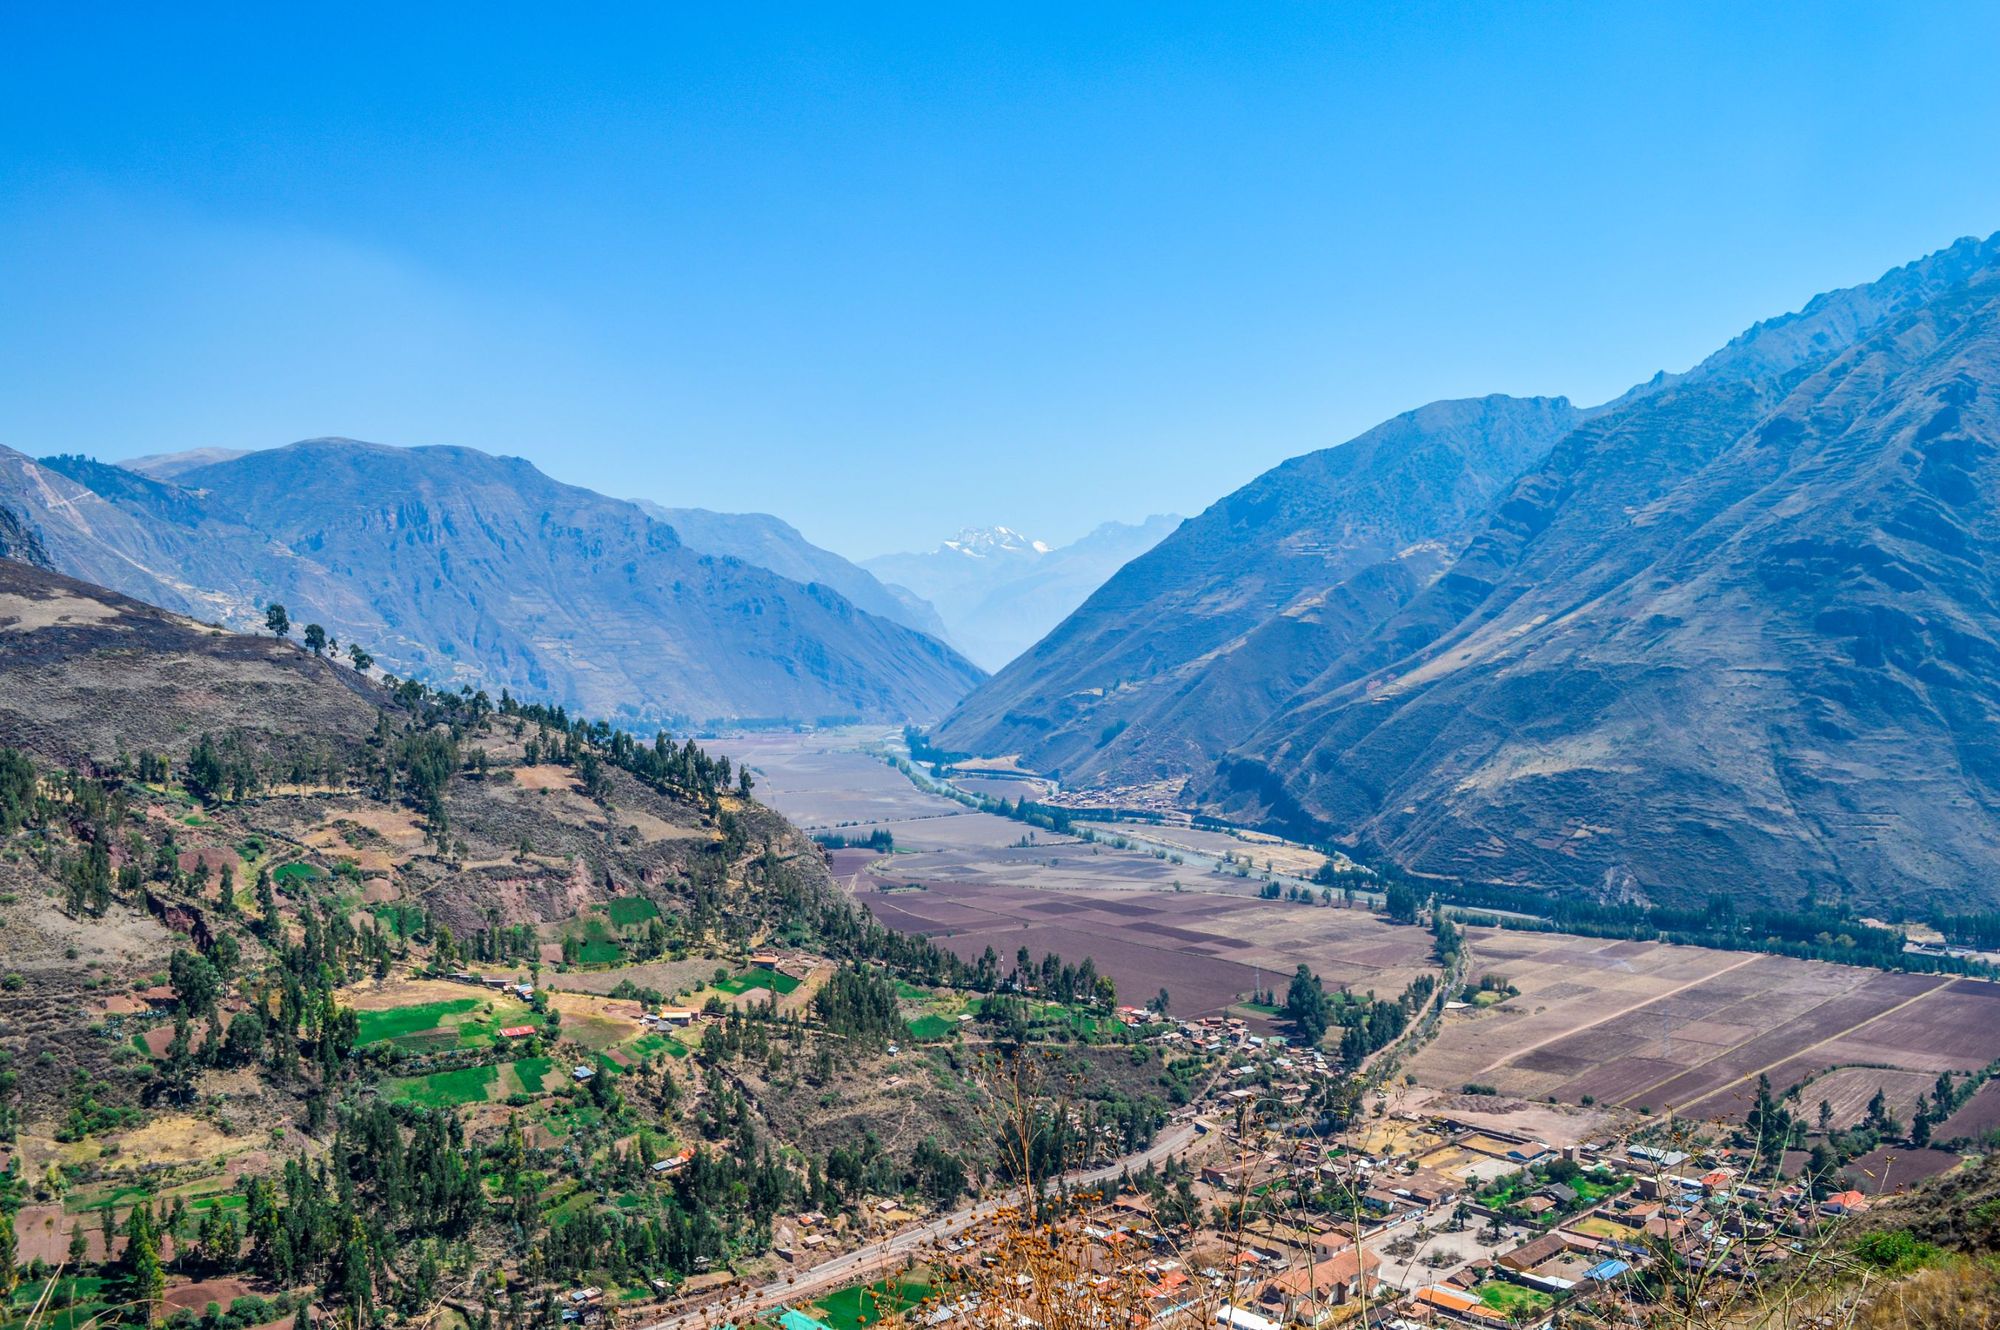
(1572, 1032)
(1801, 1052)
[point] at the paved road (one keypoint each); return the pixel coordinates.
(892, 1252)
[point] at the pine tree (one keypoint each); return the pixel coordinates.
(146, 1277)
(272, 925)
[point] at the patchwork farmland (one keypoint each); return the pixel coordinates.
(1207, 951)
(971, 880)
(1657, 1027)
(1617, 1025)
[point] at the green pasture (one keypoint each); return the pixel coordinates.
(627, 911)
(757, 976)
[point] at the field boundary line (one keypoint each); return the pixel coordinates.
(1622, 1011)
(1852, 1029)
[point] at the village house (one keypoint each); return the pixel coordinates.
(1312, 1293)
(1457, 1305)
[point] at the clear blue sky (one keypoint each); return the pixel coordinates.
(894, 271)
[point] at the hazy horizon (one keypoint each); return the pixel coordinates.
(893, 275)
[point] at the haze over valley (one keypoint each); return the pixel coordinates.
(609, 719)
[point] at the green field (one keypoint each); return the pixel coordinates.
(1595, 1185)
(527, 1076)
(650, 1043)
(403, 1022)
(758, 977)
(1045, 1016)
(932, 1027)
(1513, 1300)
(86, 1291)
(401, 920)
(286, 874)
(444, 1089)
(629, 910)
(865, 1304)
(595, 944)
(224, 1200)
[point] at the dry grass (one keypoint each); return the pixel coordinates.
(177, 1138)
(545, 777)
(1961, 1294)
(385, 994)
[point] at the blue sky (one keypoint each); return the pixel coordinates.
(891, 271)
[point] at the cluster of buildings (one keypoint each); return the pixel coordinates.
(1417, 1220)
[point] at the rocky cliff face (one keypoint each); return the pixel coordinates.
(461, 566)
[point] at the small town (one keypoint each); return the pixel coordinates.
(1407, 1219)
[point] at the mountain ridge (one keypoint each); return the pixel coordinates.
(770, 542)
(1847, 644)
(1376, 708)
(462, 566)
(1131, 656)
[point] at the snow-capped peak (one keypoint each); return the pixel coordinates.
(986, 542)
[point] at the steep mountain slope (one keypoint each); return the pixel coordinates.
(773, 543)
(464, 567)
(466, 562)
(1739, 635)
(999, 592)
(197, 565)
(1189, 646)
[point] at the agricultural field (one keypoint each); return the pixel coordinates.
(1976, 1117)
(865, 1304)
(1645, 1025)
(630, 911)
(969, 881)
(821, 786)
(1207, 951)
(493, 1082)
(1893, 1168)
(296, 873)
(1847, 1091)
(758, 976)
(595, 942)
(1283, 856)
(932, 1026)
(1513, 1301)
(429, 1015)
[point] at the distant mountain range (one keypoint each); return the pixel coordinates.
(460, 566)
(771, 542)
(998, 591)
(1736, 632)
